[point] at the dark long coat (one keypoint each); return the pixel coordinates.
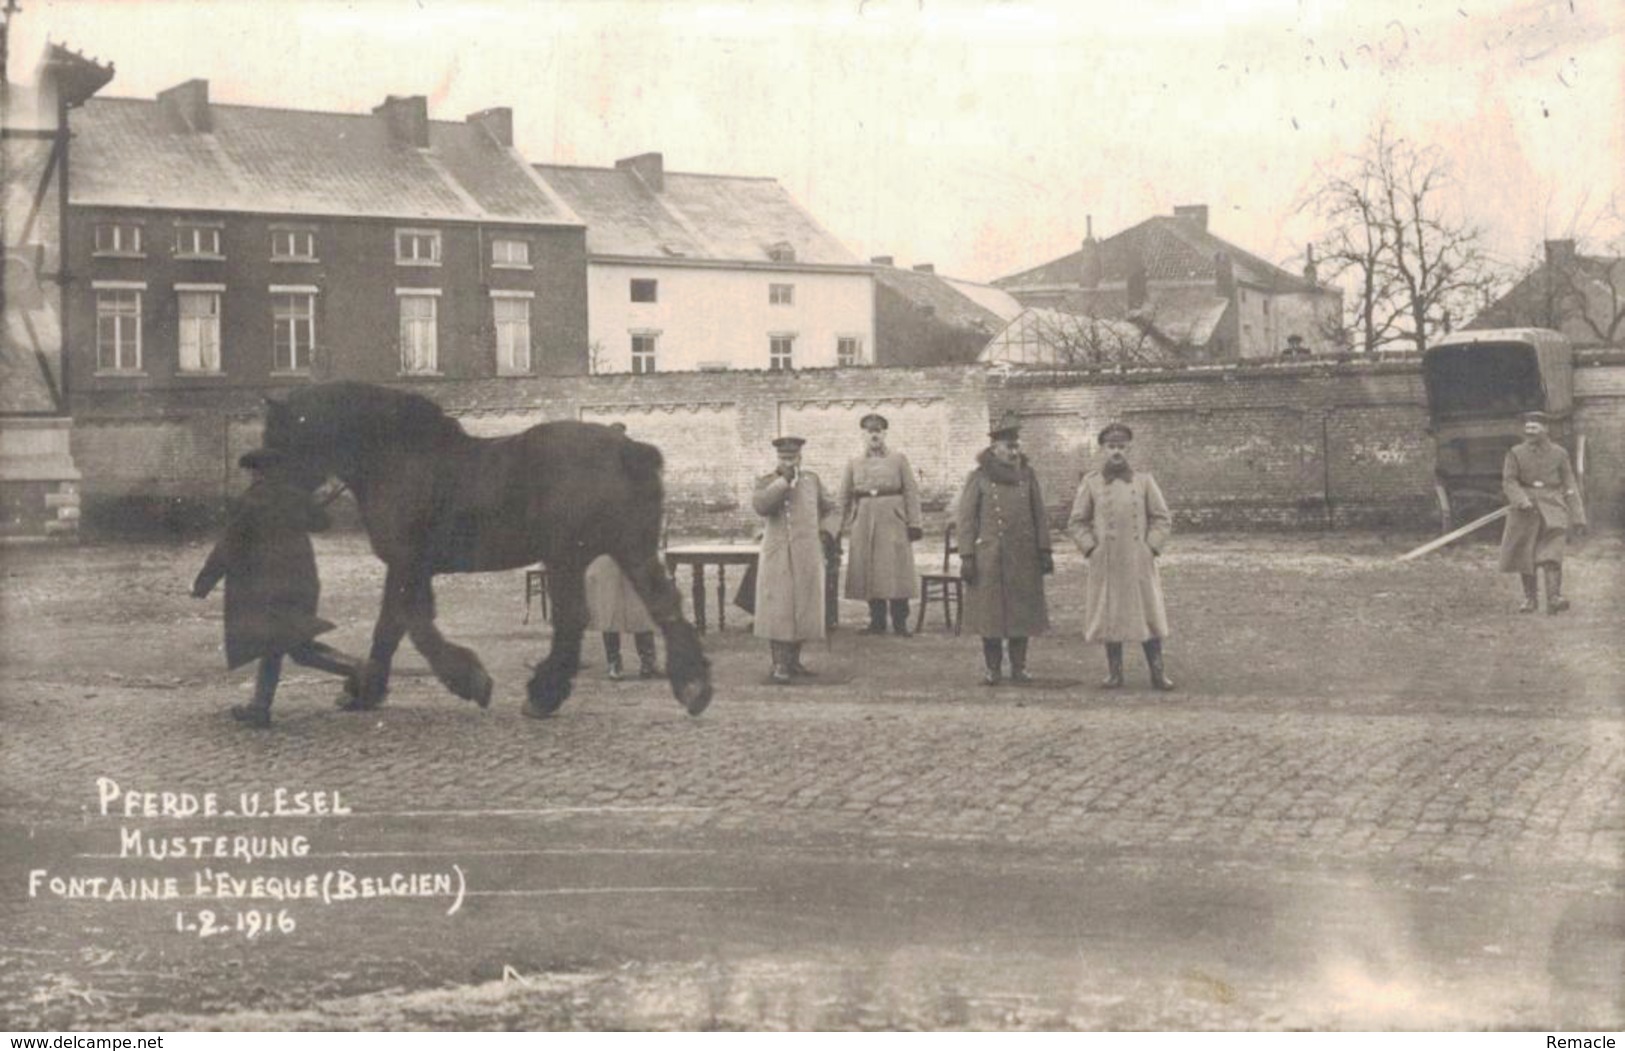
(1542, 475)
(270, 571)
(1002, 522)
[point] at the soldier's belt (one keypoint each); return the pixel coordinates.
(863, 494)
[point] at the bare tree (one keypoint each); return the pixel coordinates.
(1581, 295)
(1416, 267)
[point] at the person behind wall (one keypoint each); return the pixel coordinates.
(1546, 507)
(1121, 524)
(1004, 553)
(880, 510)
(614, 609)
(801, 520)
(272, 590)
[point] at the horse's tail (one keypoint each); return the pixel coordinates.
(642, 463)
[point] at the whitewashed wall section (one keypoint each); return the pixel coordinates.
(919, 429)
(706, 460)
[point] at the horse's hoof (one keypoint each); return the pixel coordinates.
(532, 710)
(250, 715)
(483, 688)
(347, 703)
(695, 695)
(546, 700)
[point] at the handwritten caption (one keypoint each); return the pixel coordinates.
(221, 898)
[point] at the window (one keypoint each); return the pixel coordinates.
(118, 329)
(200, 331)
(644, 289)
(417, 247)
(294, 320)
(118, 239)
(511, 315)
(780, 352)
(507, 252)
(293, 245)
(195, 239)
(419, 346)
(643, 352)
(781, 295)
(848, 351)
(782, 252)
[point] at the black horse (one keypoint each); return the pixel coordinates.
(434, 499)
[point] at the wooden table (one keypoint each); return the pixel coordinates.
(701, 555)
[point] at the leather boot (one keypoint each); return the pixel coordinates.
(781, 662)
(877, 618)
(648, 663)
(1555, 602)
(1018, 662)
(798, 670)
(1531, 593)
(258, 711)
(993, 661)
(1114, 667)
(1153, 660)
(612, 655)
(899, 617)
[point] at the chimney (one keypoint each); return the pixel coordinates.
(1195, 214)
(1559, 254)
(925, 268)
(649, 167)
(1089, 266)
(189, 103)
(1311, 272)
(407, 117)
(1224, 280)
(882, 260)
(497, 122)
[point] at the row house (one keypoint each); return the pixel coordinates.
(926, 318)
(1195, 295)
(238, 245)
(693, 272)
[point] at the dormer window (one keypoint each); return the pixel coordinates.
(782, 252)
(417, 247)
(118, 239)
(197, 241)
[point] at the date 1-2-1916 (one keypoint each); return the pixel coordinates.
(249, 923)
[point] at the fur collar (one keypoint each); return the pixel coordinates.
(999, 472)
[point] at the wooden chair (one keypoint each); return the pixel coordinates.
(536, 587)
(945, 587)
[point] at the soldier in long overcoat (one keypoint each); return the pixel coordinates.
(1546, 506)
(1121, 524)
(801, 518)
(1004, 552)
(272, 588)
(880, 511)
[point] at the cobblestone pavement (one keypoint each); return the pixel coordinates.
(1379, 799)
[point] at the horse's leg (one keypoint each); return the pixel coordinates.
(386, 639)
(686, 665)
(550, 685)
(457, 667)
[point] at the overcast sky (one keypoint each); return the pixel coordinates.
(975, 136)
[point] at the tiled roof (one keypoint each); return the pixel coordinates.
(1599, 280)
(994, 300)
(715, 218)
(135, 153)
(1171, 249)
(948, 304)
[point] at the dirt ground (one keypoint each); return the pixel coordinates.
(1379, 798)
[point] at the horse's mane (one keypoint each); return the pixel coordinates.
(367, 413)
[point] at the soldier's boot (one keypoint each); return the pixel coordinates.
(992, 661)
(1555, 602)
(1153, 660)
(899, 617)
(877, 618)
(1531, 593)
(1018, 662)
(612, 655)
(797, 669)
(781, 662)
(1114, 666)
(258, 711)
(648, 663)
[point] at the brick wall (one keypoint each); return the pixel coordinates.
(1302, 445)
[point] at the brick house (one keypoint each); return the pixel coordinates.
(690, 271)
(1200, 295)
(1582, 296)
(220, 245)
(924, 318)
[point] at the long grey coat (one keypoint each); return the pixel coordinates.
(1542, 475)
(1121, 526)
(1001, 520)
(269, 566)
(880, 502)
(612, 602)
(790, 572)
